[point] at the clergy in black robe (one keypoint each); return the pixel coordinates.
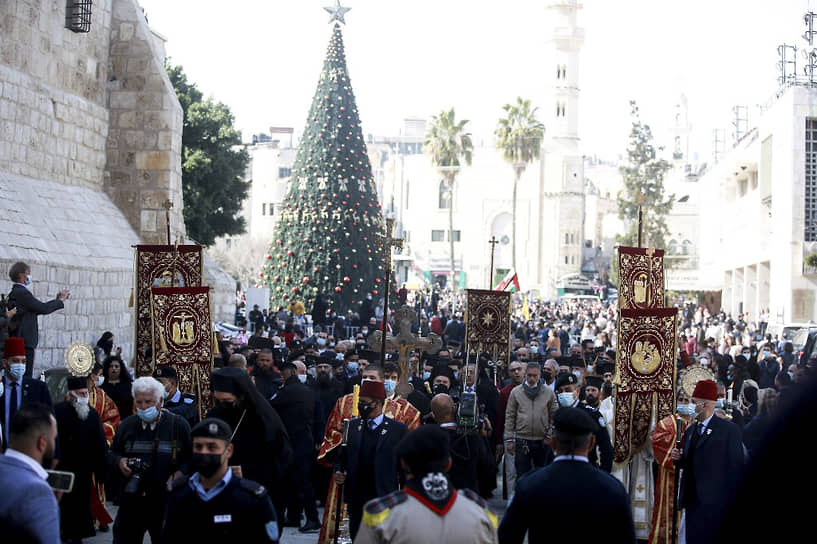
(82, 451)
(261, 445)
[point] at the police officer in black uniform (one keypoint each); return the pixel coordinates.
(181, 404)
(603, 458)
(214, 505)
(552, 503)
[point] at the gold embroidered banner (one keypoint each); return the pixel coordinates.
(488, 323)
(182, 337)
(645, 375)
(641, 277)
(160, 266)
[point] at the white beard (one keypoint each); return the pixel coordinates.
(82, 410)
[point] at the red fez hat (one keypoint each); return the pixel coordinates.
(372, 389)
(706, 389)
(14, 347)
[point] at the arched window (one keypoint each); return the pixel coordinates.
(686, 247)
(672, 247)
(444, 197)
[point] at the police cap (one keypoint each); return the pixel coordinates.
(565, 379)
(212, 427)
(166, 372)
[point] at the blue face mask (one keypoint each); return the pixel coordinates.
(566, 399)
(352, 367)
(686, 409)
(148, 415)
(389, 386)
(456, 374)
(165, 394)
(17, 371)
(28, 279)
(426, 375)
(719, 403)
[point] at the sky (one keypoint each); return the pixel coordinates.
(415, 58)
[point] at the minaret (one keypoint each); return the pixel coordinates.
(562, 183)
(680, 130)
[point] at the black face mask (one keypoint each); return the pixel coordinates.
(206, 464)
(364, 409)
(547, 374)
(439, 388)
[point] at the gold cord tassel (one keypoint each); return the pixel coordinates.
(215, 344)
(130, 300)
(355, 398)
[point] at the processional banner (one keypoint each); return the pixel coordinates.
(641, 277)
(645, 375)
(182, 337)
(160, 266)
(488, 324)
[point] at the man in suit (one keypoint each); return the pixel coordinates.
(712, 463)
(28, 507)
(24, 325)
(18, 389)
(370, 469)
(553, 503)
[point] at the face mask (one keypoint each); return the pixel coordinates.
(1, 388)
(28, 279)
(364, 331)
(302, 378)
(719, 403)
(747, 355)
(352, 368)
(205, 464)
(426, 375)
(331, 344)
(456, 374)
(148, 415)
(321, 342)
(566, 399)
(766, 354)
(82, 401)
(791, 375)
(578, 374)
(547, 375)
(686, 409)
(590, 369)
(364, 409)
(165, 394)
(389, 385)
(439, 388)
(17, 371)
(99, 380)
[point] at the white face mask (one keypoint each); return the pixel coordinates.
(99, 380)
(302, 378)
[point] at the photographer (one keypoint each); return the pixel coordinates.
(149, 449)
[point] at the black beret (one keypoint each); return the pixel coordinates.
(594, 381)
(565, 379)
(77, 382)
(574, 421)
(424, 450)
(212, 427)
(166, 372)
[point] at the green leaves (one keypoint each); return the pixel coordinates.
(212, 166)
(519, 134)
(447, 143)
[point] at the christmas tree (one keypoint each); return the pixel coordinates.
(327, 239)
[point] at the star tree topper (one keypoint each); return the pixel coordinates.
(337, 12)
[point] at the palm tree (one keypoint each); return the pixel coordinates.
(519, 137)
(447, 144)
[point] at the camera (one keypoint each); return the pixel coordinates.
(470, 416)
(138, 467)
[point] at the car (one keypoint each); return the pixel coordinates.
(809, 348)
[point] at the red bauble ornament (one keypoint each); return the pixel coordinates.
(347, 279)
(294, 289)
(374, 291)
(377, 280)
(290, 253)
(269, 257)
(337, 289)
(306, 279)
(354, 266)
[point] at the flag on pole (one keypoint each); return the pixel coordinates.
(509, 283)
(525, 310)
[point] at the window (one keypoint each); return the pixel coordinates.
(672, 247)
(686, 247)
(444, 200)
(264, 208)
(284, 172)
(271, 207)
(457, 235)
(810, 234)
(567, 239)
(437, 235)
(406, 202)
(566, 259)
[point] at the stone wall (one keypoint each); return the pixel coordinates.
(145, 137)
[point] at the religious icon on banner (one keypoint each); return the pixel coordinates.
(160, 266)
(645, 375)
(182, 337)
(641, 277)
(488, 323)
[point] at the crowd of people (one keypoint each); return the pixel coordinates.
(308, 412)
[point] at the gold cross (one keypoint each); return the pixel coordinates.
(389, 242)
(404, 340)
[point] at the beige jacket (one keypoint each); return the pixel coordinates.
(530, 419)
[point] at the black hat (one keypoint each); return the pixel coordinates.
(212, 427)
(430, 359)
(594, 381)
(222, 380)
(577, 362)
(259, 342)
(77, 382)
(424, 450)
(442, 370)
(604, 368)
(369, 355)
(611, 353)
(166, 372)
(294, 354)
(289, 366)
(573, 421)
(565, 379)
(564, 361)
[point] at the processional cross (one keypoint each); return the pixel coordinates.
(388, 243)
(493, 241)
(404, 341)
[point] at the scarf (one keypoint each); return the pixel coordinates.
(532, 392)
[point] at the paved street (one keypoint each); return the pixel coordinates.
(291, 535)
